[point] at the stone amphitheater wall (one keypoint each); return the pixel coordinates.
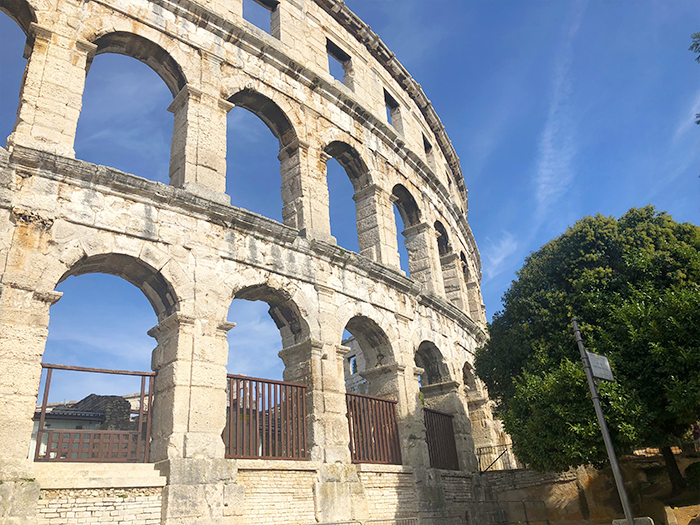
(191, 253)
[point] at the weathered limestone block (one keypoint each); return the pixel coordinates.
(51, 94)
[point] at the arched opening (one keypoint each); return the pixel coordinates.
(346, 175)
(406, 215)
(429, 358)
(443, 241)
(16, 45)
(97, 331)
(265, 417)
(370, 349)
(261, 144)
(371, 393)
(124, 122)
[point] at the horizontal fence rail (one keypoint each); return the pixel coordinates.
(493, 512)
(265, 419)
(374, 432)
(440, 437)
(129, 444)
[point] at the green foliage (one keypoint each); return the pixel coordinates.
(695, 46)
(634, 284)
(692, 475)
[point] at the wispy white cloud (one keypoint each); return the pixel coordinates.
(686, 121)
(496, 253)
(557, 145)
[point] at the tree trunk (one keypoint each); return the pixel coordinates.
(678, 482)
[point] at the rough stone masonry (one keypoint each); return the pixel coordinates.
(191, 254)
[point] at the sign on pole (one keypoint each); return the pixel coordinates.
(600, 366)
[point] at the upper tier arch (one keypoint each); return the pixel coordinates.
(146, 51)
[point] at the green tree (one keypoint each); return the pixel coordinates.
(634, 284)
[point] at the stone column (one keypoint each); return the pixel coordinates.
(448, 397)
(52, 93)
(320, 367)
(305, 191)
(376, 228)
(454, 283)
(24, 321)
(422, 265)
(198, 151)
(189, 415)
(338, 493)
(190, 388)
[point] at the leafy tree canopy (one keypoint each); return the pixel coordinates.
(634, 285)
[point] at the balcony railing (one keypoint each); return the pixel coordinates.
(440, 436)
(374, 433)
(115, 431)
(497, 457)
(265, 419)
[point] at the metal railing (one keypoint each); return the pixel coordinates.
(374, 432)
(122, 445)
(493, 512)
(265, 419)
(440, 437)
(497, 457)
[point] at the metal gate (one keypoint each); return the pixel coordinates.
(440, 435)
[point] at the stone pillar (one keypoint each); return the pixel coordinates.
(422, 265)
(51, 93)
(305, 192)
(447, 397)
(376, 227)
(189, 415)
(198, 151)
(24, 321)
(190, 388)
(338, 494)
(320, 367)
(454, 283)
(476, 305)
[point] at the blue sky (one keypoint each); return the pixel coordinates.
(556, 109)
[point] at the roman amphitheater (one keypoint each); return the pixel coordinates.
(382, 426)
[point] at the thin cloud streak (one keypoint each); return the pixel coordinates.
(497, 253)
(557, 146)
(687, 121)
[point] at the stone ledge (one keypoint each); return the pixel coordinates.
(277, 464)
(379, 468)
(97, 475)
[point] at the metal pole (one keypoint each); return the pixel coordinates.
(603, 426)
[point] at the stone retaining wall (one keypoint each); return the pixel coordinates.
(97, 506)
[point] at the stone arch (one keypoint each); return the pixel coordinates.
(157, 289)
(443, 239)
(270, 113)
(407, 206)
(285, 312)
(430, 359)
(143, 50)
(372, 340)
(351, 161)
(22, 13)
(469, 379)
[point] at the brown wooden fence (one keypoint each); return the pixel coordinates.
(440, 435)
(128, 444)
(266, 419)
(374, 433)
